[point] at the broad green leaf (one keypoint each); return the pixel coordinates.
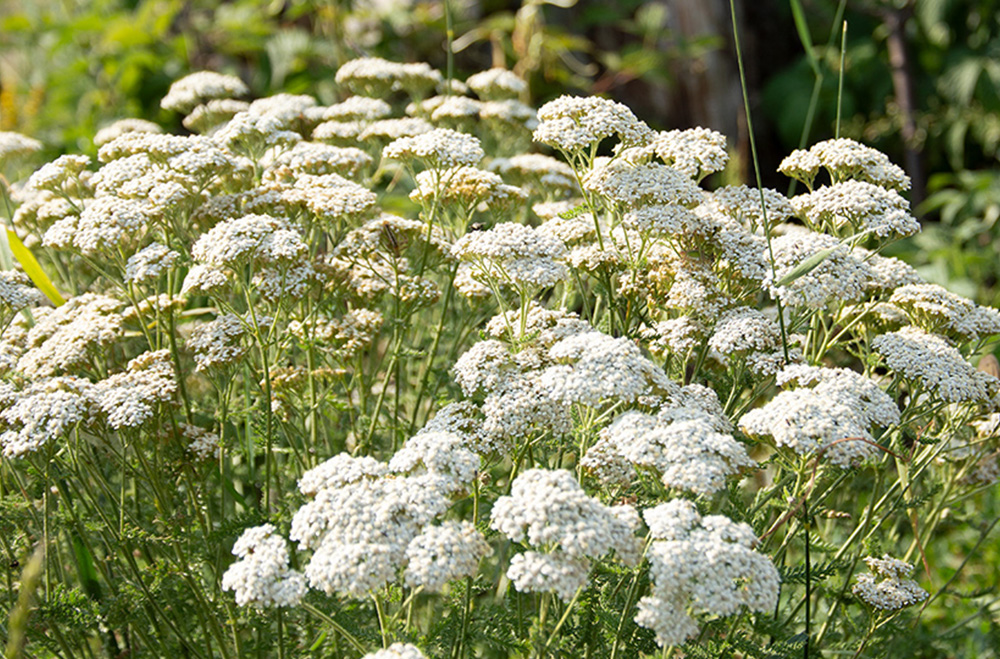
(33, 269)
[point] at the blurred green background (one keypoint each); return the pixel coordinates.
(920, 77)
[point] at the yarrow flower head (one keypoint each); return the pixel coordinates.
(262, 577)
(357, 108)
(52, 176)
(46, 411)
(543, 175)
(939, 367)
(496, 84)
(63, 339)
(696, 152)
(630, 185)
(397, 651)
(573, 124)
(444, 553)
(594, 367)
(252, 238)
(514, 254)
(209, 117)
(701, 565)
(840, 275)
(118, 128)
(857, 207)
(465, 187)
(442, 454)
(743, 204)
(251, 134)
(844, 159)
(888, 587)
(15, 147)
(148, 264)
(16, 291)
(440, 148)
(197, 88)
(129, 399)
(549, 508)
(808, 422)
(374, 76)
(683, 445)
(218, 343)
(935, 309)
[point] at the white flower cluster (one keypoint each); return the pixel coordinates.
(573, 124)
(549, 509)
(889, 272)
(465, 187)
(513, 254)
(496, 84)
(48, 410)
(442, 454)
(15, 146)
(454, 110)
(936, 309)
(272, 244)
(831, 412)
(330, 198)
(118, 128)
(441, 148)
(677, 335)
(543, 175)
(631, 185)
(262, 577)
(742, 331)
(888, 586)
(251, 133)
(873, 406)
(397, 651)
(358, 108)
(260, 238)
(197, 88)
(672, 222)
(931, 361)
(64, 339)
(374, 76)
(840, 276)
(359, 530)
(594, 367)
(743, 204)
(701, 565)
(53, 175)
(365, 515)
(685, 445)
(204, 445)
(149, 263)
(444, 553)
(129, 399)
(696, 152)
(317, 159)
(16, 291)
(210, 116)
(861, 206)
(104, 225)
(218, 343)
(844, 159)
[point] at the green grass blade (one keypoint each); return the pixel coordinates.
(800, 26)
(807, 266)
(33, 269)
